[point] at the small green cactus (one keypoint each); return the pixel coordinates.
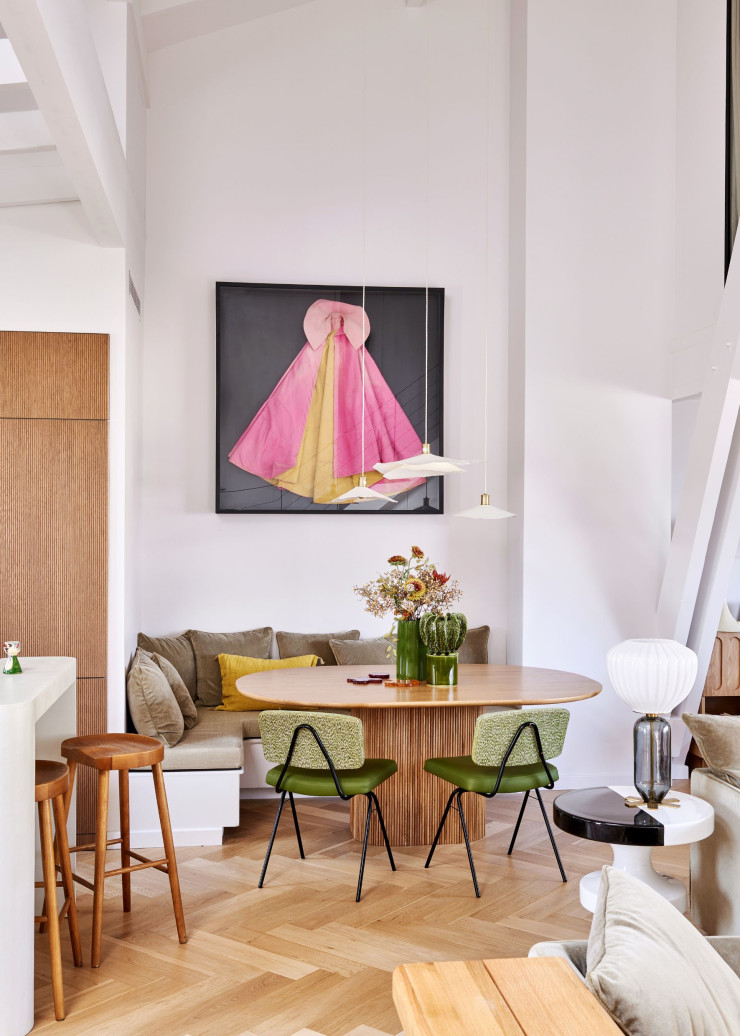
(442, 634)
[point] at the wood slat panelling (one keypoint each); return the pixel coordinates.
(413, 800)
(53, 539)
(92, 718)
(53, 375)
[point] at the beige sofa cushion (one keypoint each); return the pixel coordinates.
(207, 647)
(475, 646)
(152, 704)
(214, 743)
(180, 691)
(371, 651)
(177, 650)
(715, 861)
(290, 645)
(718, 739)
(652, 970)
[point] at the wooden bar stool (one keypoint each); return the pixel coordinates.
(122, 752)
(52, 782)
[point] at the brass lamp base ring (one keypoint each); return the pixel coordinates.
(634, 801)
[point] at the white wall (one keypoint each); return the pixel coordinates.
(253, 157)
(55, 277)
(597, 282)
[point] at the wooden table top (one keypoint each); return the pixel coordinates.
(538, 996)
(479, 685)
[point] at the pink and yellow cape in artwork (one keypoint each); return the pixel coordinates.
(307, 436)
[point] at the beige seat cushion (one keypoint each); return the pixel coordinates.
(207, 647)
(152, 704)
(718, 740)
(177, 650)
(291, 645)
(180, 691)
(652, 970)
(371, 651)
(475, 646)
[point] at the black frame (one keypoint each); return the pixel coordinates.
(352, 294)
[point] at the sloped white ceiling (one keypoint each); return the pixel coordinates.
(173, 21)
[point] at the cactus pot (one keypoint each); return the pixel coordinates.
(442, 670)
(410, 652)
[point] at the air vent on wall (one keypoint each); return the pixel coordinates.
(134, 293)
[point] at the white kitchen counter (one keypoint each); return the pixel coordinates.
(37, 712)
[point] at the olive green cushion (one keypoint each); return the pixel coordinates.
(370, 651)
(177, 650)
(320, 782)
(180, 691)
(207, 646)
(474, 648)
(464, 773)
(153, 706)
(292, 644)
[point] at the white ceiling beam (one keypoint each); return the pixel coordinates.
(56, 51)
(705, 469)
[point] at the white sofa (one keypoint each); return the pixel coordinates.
(715, 861)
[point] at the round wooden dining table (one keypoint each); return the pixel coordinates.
(413, 724)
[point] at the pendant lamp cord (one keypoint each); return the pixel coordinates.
(486, 238)
(364, 223)
(426, 224)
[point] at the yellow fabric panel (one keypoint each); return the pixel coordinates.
(234, 666)
(312, 475)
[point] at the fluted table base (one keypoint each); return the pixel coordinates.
(412, 800)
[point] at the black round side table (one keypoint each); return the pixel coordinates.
(601, 815)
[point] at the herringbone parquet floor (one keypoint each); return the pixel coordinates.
(299, 956)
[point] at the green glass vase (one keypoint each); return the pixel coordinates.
(410, 652)
(442, 670)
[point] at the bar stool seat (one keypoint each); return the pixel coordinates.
(122, 752)
(52, 782)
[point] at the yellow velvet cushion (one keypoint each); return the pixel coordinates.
(234, 666)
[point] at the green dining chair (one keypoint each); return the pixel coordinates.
(510, 754)
(321, 753)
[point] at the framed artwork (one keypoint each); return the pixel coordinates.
(290, 386)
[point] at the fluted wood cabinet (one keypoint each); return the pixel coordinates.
(54, 512)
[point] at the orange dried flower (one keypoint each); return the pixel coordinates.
(439, 577)
(414, 589)
(397, 559)
(417, 552)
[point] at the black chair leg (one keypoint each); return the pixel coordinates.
(272, 839)
(549, 831)
(467, 842)
(518, 822)
(382, 828)
(297, 828)
(364, 848)
(440, 828)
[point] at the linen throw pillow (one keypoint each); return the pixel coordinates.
(290, 645)
(718, 740)
(180, 691)
(152, 704)
(474, 648)
(371, 651)
(234, 666)
(652, 970)
(178, 651)
(254, 643)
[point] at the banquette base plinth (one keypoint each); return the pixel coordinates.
(412, 800)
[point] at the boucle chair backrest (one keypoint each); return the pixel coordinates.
(341, 736)
(494, 731)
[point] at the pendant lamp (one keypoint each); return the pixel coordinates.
(362, 493)
(485, 509)
(425, 464)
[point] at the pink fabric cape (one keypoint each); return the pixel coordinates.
(269, 445)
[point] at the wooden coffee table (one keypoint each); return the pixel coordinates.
(414, 724)
(538, 996)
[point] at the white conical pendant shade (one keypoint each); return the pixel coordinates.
(362, 493)
(485, 510)
(423, 465)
